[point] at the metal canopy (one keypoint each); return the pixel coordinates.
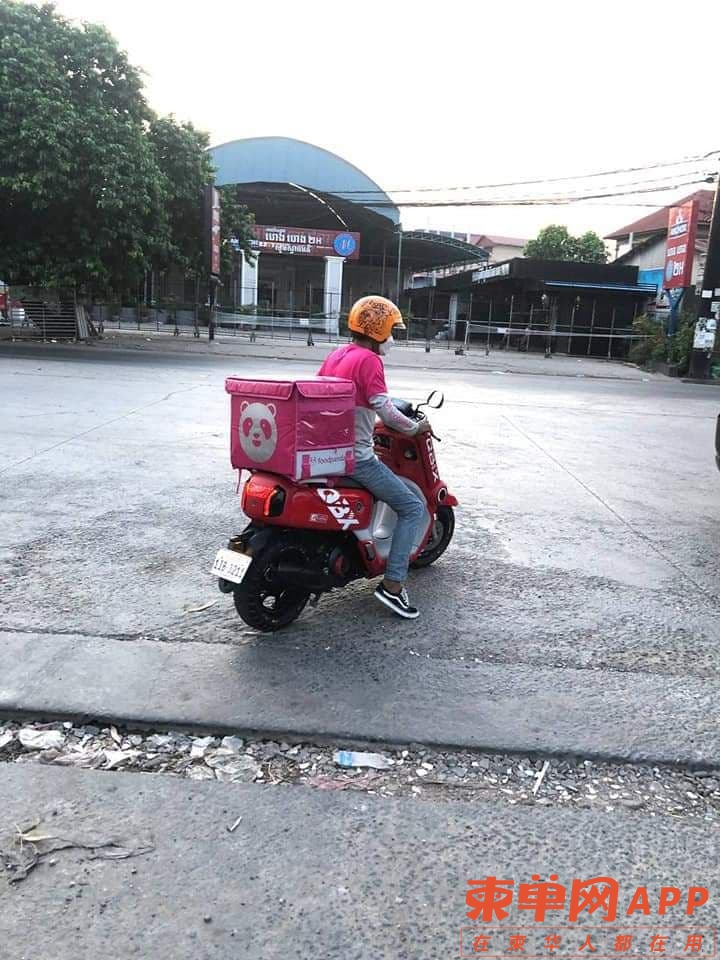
(297, 205)
(284, 204)
(424, 250)
(287, 182)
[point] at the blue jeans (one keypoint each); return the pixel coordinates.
(381, 481)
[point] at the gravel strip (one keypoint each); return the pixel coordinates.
(423, 773)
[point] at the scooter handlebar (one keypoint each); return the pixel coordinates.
(420, 416)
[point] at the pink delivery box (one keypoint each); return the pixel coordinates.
(297, 428)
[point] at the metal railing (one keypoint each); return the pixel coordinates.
(37, 314)
(527, 330)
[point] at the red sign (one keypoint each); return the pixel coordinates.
(211, 216)
(680, 248)
(215, 233)
(305, 242)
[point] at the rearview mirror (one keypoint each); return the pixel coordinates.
(435, 400)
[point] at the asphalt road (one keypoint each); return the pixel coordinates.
(309, 874)
(577, 612)
(584, 569)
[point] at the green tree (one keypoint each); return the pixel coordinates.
(81, 194)
(557, 243)
(236, 223)
(590, 248)
(180, 152)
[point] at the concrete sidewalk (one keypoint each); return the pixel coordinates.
(270, 690)
(410, 356)
(312, 874)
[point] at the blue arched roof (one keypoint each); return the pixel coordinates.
(284, 160)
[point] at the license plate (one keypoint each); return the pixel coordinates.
(230, 565)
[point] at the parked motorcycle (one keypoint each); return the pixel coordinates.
(307, 537)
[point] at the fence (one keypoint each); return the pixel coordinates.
(42, 314)
(51, 315)
(305, 312)
(194, 320)
(524, 331)
(599, 329)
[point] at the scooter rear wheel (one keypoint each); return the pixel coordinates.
(440, 537)
(263, 603)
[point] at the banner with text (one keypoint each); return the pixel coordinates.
(300, 241)
(680, 247)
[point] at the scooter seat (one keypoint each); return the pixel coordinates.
(347, 482)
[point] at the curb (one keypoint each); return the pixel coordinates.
(353, 741)
(267, 691)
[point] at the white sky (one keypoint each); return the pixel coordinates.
(420, 93)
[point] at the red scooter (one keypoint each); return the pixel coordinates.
(308, 537)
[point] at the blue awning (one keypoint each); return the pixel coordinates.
(648, 289)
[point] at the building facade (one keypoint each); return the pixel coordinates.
(325, 234)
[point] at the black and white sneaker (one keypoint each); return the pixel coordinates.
(397, 602)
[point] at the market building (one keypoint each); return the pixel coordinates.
(325, 233)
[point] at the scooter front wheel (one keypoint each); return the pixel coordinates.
(260, 600)
(440, 537)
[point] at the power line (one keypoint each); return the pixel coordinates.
(636, 189)
(645, 186)
(542, 180)
(535, 201)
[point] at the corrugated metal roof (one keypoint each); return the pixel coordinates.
(284, 160)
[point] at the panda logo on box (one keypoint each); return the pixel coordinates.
(258, 430)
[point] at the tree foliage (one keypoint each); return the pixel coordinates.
(655, 345)
(79, 188)
(236, 223)
(94, 188)
(180, 152)
(591, 249)
(556, 243)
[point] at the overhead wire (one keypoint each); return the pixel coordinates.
(538, 201)
(539, 181)
(633, 189)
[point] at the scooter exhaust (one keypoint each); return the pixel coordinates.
(312, 578)
(295, 575)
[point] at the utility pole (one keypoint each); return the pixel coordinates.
(705, 333)
(399, 266)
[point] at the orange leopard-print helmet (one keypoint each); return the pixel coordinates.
(375, 317)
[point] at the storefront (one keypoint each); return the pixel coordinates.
(581, 309)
